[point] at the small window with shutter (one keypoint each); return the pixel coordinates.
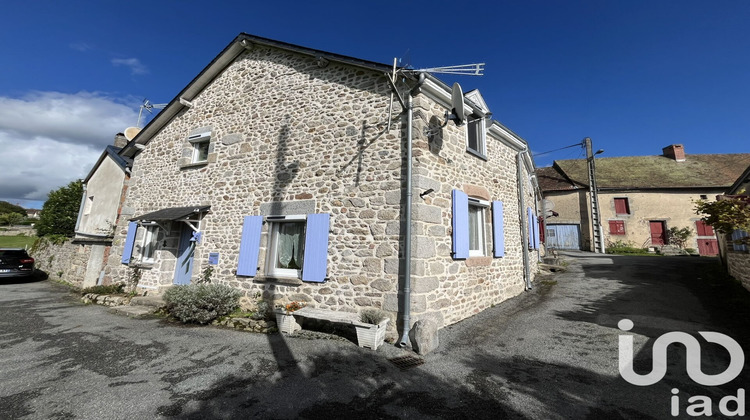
(616, 227)
(622, 206)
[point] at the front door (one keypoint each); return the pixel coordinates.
(184, 267)
(658, 234)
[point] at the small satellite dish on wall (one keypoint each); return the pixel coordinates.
(457, 104)
(131, 132)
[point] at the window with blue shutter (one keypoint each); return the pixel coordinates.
(530, 225)
(127, 250)
(249, 246)
(737, 235)
(460, 225)
(498, 238)
(315, 262)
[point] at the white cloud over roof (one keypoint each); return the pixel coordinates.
(48, 139)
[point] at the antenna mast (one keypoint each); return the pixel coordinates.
(148, 106)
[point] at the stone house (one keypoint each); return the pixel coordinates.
(82, 260)
(103, 192)
(283, 172)
(734, 248)
(640, 197)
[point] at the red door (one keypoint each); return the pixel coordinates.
(658, 236)
(707, 243)
(708, 247)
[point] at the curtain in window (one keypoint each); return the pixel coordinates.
(474, 233)
(289, 246)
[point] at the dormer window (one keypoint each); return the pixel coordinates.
(475, 135)
(200, 143)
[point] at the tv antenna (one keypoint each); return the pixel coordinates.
(475, 69)
(148, 106)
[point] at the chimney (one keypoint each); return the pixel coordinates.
(674, 151)
(120, 140)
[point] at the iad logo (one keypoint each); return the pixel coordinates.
(702, 404)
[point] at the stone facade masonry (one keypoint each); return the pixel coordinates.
(738, 265)
(286, 132)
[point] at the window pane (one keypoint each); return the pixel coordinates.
(289, 244)
(201, 151)
(475, 226)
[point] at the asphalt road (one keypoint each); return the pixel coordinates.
(551, 353)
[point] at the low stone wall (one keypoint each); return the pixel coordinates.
(66, 262)
(17, 231)
(738, 264)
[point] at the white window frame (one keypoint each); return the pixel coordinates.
(150, 243)
(481, 132)
(198, 140)
(480, 207)
(272, 250)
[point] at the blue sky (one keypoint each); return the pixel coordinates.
(635, 76)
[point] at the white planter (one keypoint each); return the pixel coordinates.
(371, 336)
(286, 323)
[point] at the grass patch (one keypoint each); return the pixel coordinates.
(17, 241)
(111, 289)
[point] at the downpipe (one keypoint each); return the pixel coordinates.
(407, 230)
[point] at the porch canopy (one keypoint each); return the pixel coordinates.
(172, 214)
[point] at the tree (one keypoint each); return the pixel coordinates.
(726, 215)
(679, 237)
(60, 211)
(6, 207)
(11, 218)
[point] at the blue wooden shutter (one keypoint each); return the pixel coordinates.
(460, 225)
(498, 238)
(530, 225)
(315, 263)
(249, 246)
(127, 250)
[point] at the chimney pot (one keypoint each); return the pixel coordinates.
(674, 151)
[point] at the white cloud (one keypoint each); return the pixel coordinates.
(49, 139)
(81, 46)
(136, 67)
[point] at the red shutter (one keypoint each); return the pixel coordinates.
(621, 206)
(704, 229)
(616, 227)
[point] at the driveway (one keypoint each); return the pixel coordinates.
(549, 353)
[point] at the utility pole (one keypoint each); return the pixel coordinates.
(594, 194)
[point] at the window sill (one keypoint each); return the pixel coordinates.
(478, 261)
(287, 281)
(194, 165)
(475, 153)
(146, 266)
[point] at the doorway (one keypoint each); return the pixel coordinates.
(658, 232)
(183, 270)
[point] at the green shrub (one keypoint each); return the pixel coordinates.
(201, 303)
(372, 316)
(110, 289)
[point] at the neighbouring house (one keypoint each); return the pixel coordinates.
(640, 197)
(735, 247)
(103, 193)
(283, 171)
(33, 213)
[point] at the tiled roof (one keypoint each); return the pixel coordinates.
(646, 172)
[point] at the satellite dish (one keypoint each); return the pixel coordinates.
(131, 132)
(549, 204)
(457, 104)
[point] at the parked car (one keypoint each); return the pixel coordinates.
(15, 262)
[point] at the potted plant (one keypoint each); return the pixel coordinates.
(285, 320)
(371, 333)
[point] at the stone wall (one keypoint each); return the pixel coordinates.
(738, 264)
(66, 262)
(286, 133)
